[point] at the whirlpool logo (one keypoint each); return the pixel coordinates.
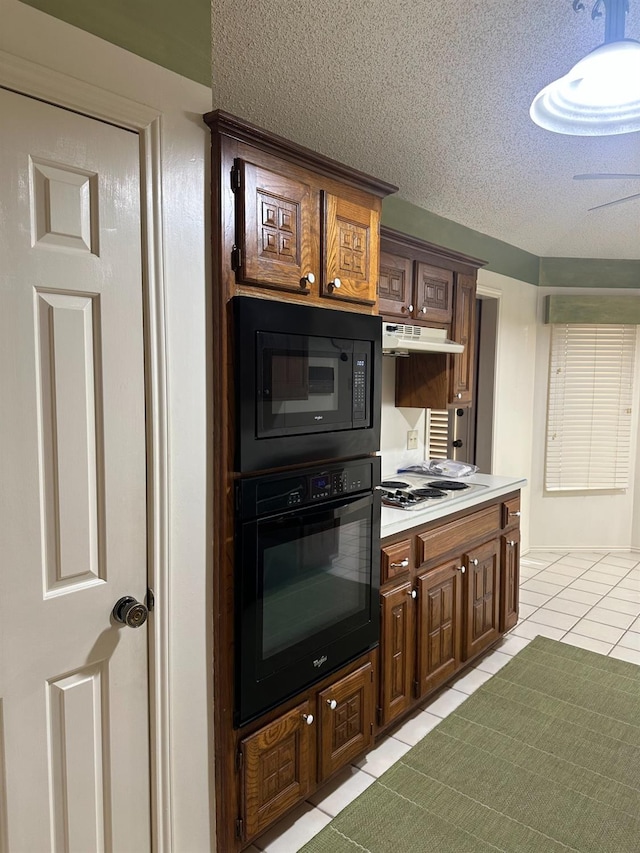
(318, 663)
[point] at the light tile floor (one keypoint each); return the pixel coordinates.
(588, 599)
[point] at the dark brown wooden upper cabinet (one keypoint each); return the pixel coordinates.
(463, 331)
(291, 220)
(351, 251)
(277, 229)
(395, 286)
(433, 294)
(417, 280)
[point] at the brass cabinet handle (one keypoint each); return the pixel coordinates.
(332, 704)
(336, 284)
(413, 593)
(308, 718)
(308, 278)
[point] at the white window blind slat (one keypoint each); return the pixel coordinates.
(591, 375)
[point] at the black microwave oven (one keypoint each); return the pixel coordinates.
(307, 383)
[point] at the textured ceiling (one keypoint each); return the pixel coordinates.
(434, 97)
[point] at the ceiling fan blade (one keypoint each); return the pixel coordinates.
(604, 176)
(617, 201)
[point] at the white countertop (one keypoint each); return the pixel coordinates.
(397, 520)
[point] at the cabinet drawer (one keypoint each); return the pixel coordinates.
(457, 535)
(395, 560)
(511, 512)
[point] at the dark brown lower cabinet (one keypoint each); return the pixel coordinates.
(482, 597)
(439, 624)
(284, 761)
(510, 579)
(345, 716)
(276, 768)
(457, 595)
(398, 642)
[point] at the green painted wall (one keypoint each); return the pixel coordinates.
(173, 33)
(500, 257)
(619, 310)
(589, 272)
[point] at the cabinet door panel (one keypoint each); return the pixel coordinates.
(277, 768)
(509, 579)
(351, 251)
(395, 287)
(463, 331)
(439, 624)
(345, 713)
(277, 229)
(396, 649)
(483, 597)
(433, 294)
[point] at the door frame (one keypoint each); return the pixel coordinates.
(28, 78)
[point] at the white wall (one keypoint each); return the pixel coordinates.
(32, 35)
(513, 405)
(574, 521)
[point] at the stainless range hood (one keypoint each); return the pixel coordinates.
(399, 339)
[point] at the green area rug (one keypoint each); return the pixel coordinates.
(544, 757)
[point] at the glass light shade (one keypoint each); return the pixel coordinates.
(598, 97)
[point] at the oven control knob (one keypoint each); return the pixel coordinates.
(332, 704)
(308, 718)
(336, 284)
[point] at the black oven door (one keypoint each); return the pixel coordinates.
(306, 598)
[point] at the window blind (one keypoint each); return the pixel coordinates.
(438, 433)
(589, 407)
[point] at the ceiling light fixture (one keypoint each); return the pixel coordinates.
(601, 94)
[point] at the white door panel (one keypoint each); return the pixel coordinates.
(73, 682)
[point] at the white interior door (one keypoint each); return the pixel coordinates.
(74, 715)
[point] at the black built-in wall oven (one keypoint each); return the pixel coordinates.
(307, 383)
(306, 578)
